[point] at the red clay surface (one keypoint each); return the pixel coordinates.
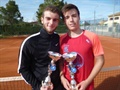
(9, 49)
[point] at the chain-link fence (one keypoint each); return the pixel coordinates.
(104, 30)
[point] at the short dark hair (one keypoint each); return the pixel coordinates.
(53, 9)
(68, 7)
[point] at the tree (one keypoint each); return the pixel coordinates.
(58, 3)
(11, 14)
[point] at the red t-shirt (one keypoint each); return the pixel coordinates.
(87, 46)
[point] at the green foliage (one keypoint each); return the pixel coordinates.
(25, 29)
(18, 29)
(61, 29)
(11, 22)
(58, 3)
(10, 14)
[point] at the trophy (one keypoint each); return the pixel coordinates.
(70, 57)
(51, 67)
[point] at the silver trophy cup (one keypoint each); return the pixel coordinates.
(70, 57)
(51, 67)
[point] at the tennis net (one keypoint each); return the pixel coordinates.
(107, 79)
(13, 83)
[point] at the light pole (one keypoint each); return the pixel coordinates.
(95, 17)
(113, 15)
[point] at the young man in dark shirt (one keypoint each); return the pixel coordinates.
(33, 55)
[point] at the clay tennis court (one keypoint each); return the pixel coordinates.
(107, 79)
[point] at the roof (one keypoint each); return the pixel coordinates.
(116, 14)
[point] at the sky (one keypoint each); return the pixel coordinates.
(89, 9)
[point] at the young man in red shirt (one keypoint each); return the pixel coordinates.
(88, 48)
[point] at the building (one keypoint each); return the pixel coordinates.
(113, 19)
(113, 22)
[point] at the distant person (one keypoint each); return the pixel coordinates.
(88, 47)
(33, 55)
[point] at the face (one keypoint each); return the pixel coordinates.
(72, 19)
(50, 21)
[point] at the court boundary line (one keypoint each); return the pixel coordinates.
(111, 49)
(19, 78)
(8, 48)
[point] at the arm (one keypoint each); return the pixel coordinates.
(24, 67)
(64, 81)
(99, 57)
(96, 69)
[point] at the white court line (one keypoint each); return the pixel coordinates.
(10, 41)
(8, 48)
(18, 78)
(14, 78)
(2, 49)
(111, 68)
(108, 38)
(15, 42)
(112, 49)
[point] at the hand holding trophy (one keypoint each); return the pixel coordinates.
(51, 67)
(70, 57)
